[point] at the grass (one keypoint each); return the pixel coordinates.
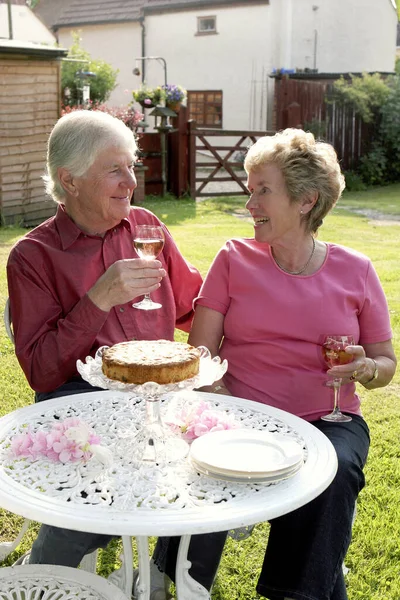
(200, 229)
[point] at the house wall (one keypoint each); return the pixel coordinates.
(25, 25)
(117, 44)
(340, 36)
(351, 36)
(235, 60)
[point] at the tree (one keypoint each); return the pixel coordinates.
(101, 85)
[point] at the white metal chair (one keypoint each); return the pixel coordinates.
(7, 320)
(48, 581)
(89, 562)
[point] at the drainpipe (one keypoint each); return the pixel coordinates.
(141, 21)
(10, 25)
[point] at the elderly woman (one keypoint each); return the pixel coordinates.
(265, 306)
(72, 280)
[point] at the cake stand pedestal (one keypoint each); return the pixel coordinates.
(154, 443)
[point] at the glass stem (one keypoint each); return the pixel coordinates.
(153, 411)
(336, 389)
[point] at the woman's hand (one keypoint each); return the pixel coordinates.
(355, 370)
(373, 365)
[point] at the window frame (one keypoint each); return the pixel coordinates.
(205, 103)
(206, 31)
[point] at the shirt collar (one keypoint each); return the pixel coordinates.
(69, 232)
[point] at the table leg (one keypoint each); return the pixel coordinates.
(143, 589)
(123, 577)
(187, 588)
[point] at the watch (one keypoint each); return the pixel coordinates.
(375, 373)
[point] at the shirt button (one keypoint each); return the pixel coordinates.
(121, 309)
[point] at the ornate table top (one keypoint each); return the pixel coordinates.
(175, 499)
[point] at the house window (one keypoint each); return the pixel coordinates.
(205, 107)
(206, 25)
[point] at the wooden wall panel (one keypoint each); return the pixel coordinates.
(29, 107)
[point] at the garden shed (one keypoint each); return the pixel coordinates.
(30, 103)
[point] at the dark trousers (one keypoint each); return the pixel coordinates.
(306, 548)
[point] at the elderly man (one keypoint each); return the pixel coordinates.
(72, 280)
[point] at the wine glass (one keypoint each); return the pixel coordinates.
(334, 353)
(148, 242)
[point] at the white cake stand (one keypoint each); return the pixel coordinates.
(153, 443)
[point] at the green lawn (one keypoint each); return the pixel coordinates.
(200, 229)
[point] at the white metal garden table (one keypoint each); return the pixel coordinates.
(152, 501)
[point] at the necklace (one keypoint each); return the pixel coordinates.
(301, 270)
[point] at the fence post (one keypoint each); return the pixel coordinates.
(192, 158)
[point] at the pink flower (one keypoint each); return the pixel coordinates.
(194, 420)
(67, 441)
(21, 444)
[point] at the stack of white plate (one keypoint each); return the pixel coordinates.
(246, 455)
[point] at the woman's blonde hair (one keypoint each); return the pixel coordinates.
(75, 142)
(307, 166)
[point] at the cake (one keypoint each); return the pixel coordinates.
(160, 361)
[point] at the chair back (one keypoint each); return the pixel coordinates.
(7, 320)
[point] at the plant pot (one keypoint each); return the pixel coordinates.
(175, 106)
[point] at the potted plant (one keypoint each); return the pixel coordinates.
(149, 97)
(174, 96)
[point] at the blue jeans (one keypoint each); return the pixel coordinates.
(306, 547)
(54, 545)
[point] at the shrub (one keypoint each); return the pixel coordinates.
(366, 94)
(316, 127)
(373, 166)
(354, 182)
(127, 114)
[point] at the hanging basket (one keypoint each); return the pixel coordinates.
(144, 104)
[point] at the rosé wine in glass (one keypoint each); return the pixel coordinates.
(148, 242)
(333, 350)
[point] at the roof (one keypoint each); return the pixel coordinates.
(30, 48)
(150, 5)
(74, 13)
(49, 11)
(317, 76)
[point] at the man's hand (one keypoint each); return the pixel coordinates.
(125, 280)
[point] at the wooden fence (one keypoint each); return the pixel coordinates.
(309, 104)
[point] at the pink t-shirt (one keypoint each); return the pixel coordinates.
(275, 323)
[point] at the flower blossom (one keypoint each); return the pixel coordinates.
(194, 420)
(70, 440)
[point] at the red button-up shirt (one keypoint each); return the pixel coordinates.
(50, 271)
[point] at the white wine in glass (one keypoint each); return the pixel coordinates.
(148, 242)
(334, 353)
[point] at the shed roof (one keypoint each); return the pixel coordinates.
(30, 48)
